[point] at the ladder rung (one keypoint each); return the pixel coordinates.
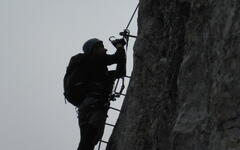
(120, 94)
(128, 77)
(114, 109)
(112, 125)
(103, 141)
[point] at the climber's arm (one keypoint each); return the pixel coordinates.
(117, 57)
(121, 65)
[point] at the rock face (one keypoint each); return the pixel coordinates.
(185, 88)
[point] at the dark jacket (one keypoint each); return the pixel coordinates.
(93, 71)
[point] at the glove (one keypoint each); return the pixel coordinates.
(118, 41)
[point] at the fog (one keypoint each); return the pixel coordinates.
(38, 37)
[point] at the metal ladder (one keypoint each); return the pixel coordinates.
(109, 124)
(126, 34)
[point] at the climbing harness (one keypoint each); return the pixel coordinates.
(126, 35)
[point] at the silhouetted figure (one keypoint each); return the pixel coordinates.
(94, 75)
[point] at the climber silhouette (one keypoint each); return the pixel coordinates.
(92, 111)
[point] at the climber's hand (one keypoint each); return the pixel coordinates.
(119, 46)
(119, 43)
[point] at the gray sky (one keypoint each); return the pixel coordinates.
(37, 39)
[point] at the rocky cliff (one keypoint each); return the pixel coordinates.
(185, 88)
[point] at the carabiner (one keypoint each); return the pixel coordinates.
(112, 38)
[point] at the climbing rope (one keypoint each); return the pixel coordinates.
(126, 32)
(132, 16)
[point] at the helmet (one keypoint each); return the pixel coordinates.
(89, 45)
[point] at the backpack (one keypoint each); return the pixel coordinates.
(75, 80)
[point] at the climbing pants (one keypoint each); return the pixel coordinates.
(92, 115)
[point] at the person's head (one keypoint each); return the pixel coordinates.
(94, 47)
